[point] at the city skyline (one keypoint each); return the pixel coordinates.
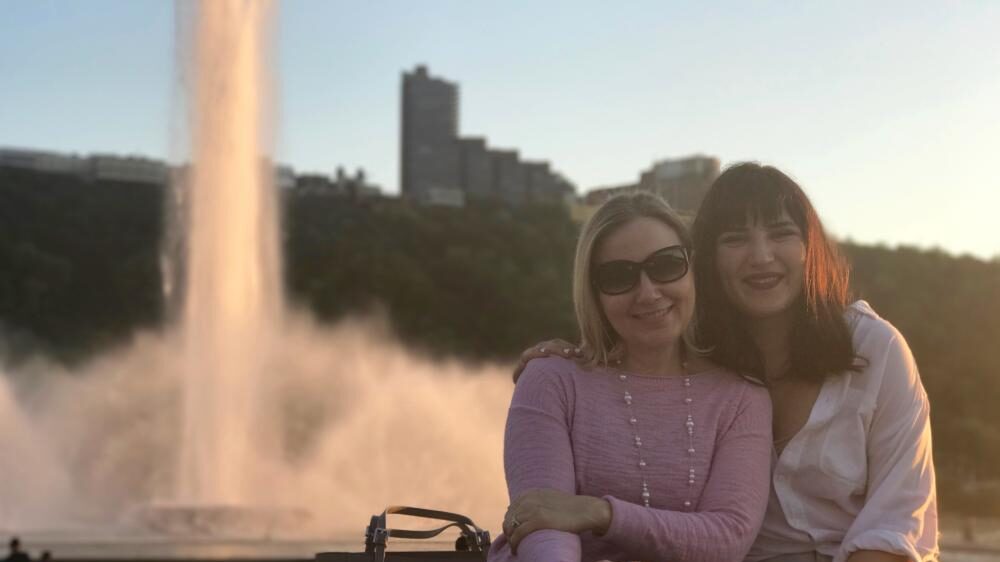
(438, 165)
(884, 113)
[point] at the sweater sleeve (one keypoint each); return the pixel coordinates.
(900, 511)
(538, 454)
(727, 517)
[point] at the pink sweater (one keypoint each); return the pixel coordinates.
(568, 429)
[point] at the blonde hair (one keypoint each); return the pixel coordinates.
(598, 340)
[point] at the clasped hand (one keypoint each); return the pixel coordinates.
(552, 509)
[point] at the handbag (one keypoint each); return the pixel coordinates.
(471, 546)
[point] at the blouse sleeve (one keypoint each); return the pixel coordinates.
(900, 511)
(731, 509)
(538, 454)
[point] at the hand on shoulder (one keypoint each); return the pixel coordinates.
(549, 348)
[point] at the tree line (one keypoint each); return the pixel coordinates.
(80, 271)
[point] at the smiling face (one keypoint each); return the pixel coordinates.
(761, 266)
(651, 315)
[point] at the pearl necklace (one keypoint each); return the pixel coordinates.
(688, 426)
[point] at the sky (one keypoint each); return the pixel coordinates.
(887, 113)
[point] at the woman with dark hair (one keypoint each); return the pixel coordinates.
(853, 476)
(749, 197)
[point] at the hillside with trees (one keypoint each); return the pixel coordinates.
(79, 272)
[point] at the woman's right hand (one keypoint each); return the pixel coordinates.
(561, 348)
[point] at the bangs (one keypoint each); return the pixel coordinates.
(738, 205)
(747, 194)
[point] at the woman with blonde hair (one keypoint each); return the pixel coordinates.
(643, 449)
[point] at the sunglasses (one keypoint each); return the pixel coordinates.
(621, 276)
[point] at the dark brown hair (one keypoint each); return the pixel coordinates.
(820, 339)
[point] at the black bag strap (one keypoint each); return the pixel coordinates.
(472, 539)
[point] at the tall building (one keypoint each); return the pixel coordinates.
(439, 167)
(476, 168)
(682, 182)
(508, 176)
(430, 156)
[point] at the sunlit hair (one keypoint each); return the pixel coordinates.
(820, 338)
(599, 341)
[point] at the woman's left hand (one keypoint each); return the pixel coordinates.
(551, 509)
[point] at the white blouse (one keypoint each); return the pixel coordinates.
(859, 474)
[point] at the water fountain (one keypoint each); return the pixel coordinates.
(244, 414)
(232, 304)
